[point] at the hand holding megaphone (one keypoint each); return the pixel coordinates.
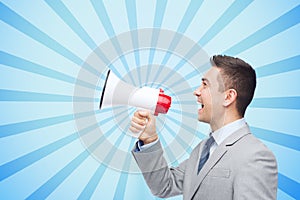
(143, 126)
(116, 92)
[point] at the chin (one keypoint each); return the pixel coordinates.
(201, 119)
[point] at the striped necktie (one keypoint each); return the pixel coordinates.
(205, 152)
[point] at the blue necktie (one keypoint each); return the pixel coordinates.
(205, 152)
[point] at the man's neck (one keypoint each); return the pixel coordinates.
(215, 125)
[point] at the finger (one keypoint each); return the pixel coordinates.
(134, 130)
(143, 113)
(137, 126)
(141, 121)
(146, 115)
(138, 115)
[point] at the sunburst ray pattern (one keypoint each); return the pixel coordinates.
(54, 55)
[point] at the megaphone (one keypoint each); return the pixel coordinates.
(116, 92)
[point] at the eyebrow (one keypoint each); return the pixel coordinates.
(205, 79)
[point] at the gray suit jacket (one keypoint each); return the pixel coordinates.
(241, 167)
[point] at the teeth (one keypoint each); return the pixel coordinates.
(200, 105)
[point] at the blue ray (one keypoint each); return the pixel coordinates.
(120, 190)
(189, 15)
(92, 184)
(282, 139)
(28, 66)
(185, 102)
(120, 121)
(113, 150)
(166, 58)
(159, 14)
(47, 188)
(131, 13)
(168, 151)
(289, 186)
(198, 70)
(277, 103)
(232, 12)
(103, 76)
(104, 18)
(176, 68)
(191, 115)
(185, 91)
(280, 24)
(184, 145)
(104, 121)
(186, 77)
(20, 127)
(110, 118)
(22, 162)
(62, 11)
(108, 109)
(12, 95)
(191, 75)
(13, 19)
(185, 22)
(170, 154)
(189, 129)
(282, 66)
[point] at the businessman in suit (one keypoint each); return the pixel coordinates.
(232, 163)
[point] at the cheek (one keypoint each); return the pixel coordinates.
(217, 99)
(206, 94)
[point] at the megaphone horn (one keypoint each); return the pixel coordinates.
(116, 92)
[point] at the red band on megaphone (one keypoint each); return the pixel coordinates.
(163, 103)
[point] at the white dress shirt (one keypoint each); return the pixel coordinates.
(222, 133)
(219, 135)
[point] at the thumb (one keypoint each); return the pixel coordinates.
(144, 113)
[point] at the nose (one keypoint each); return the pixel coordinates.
(197, 92)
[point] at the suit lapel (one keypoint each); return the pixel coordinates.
(214, 158)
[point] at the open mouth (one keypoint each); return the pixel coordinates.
(200, 105)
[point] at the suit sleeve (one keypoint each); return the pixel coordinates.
(162, 180)
(257, 179)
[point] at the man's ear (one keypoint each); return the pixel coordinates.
(230, 97)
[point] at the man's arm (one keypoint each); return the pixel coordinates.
(162, 180)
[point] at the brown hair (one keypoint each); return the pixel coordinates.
(238, 75)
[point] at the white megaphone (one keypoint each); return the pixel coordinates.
(116, 92)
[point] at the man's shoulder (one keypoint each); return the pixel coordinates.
(251, 145)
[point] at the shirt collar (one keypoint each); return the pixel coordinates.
(222, 133)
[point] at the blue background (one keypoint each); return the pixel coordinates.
(44, 44)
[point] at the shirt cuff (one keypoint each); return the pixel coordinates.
(140, 146)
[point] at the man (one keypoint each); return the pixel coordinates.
(232, 163)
